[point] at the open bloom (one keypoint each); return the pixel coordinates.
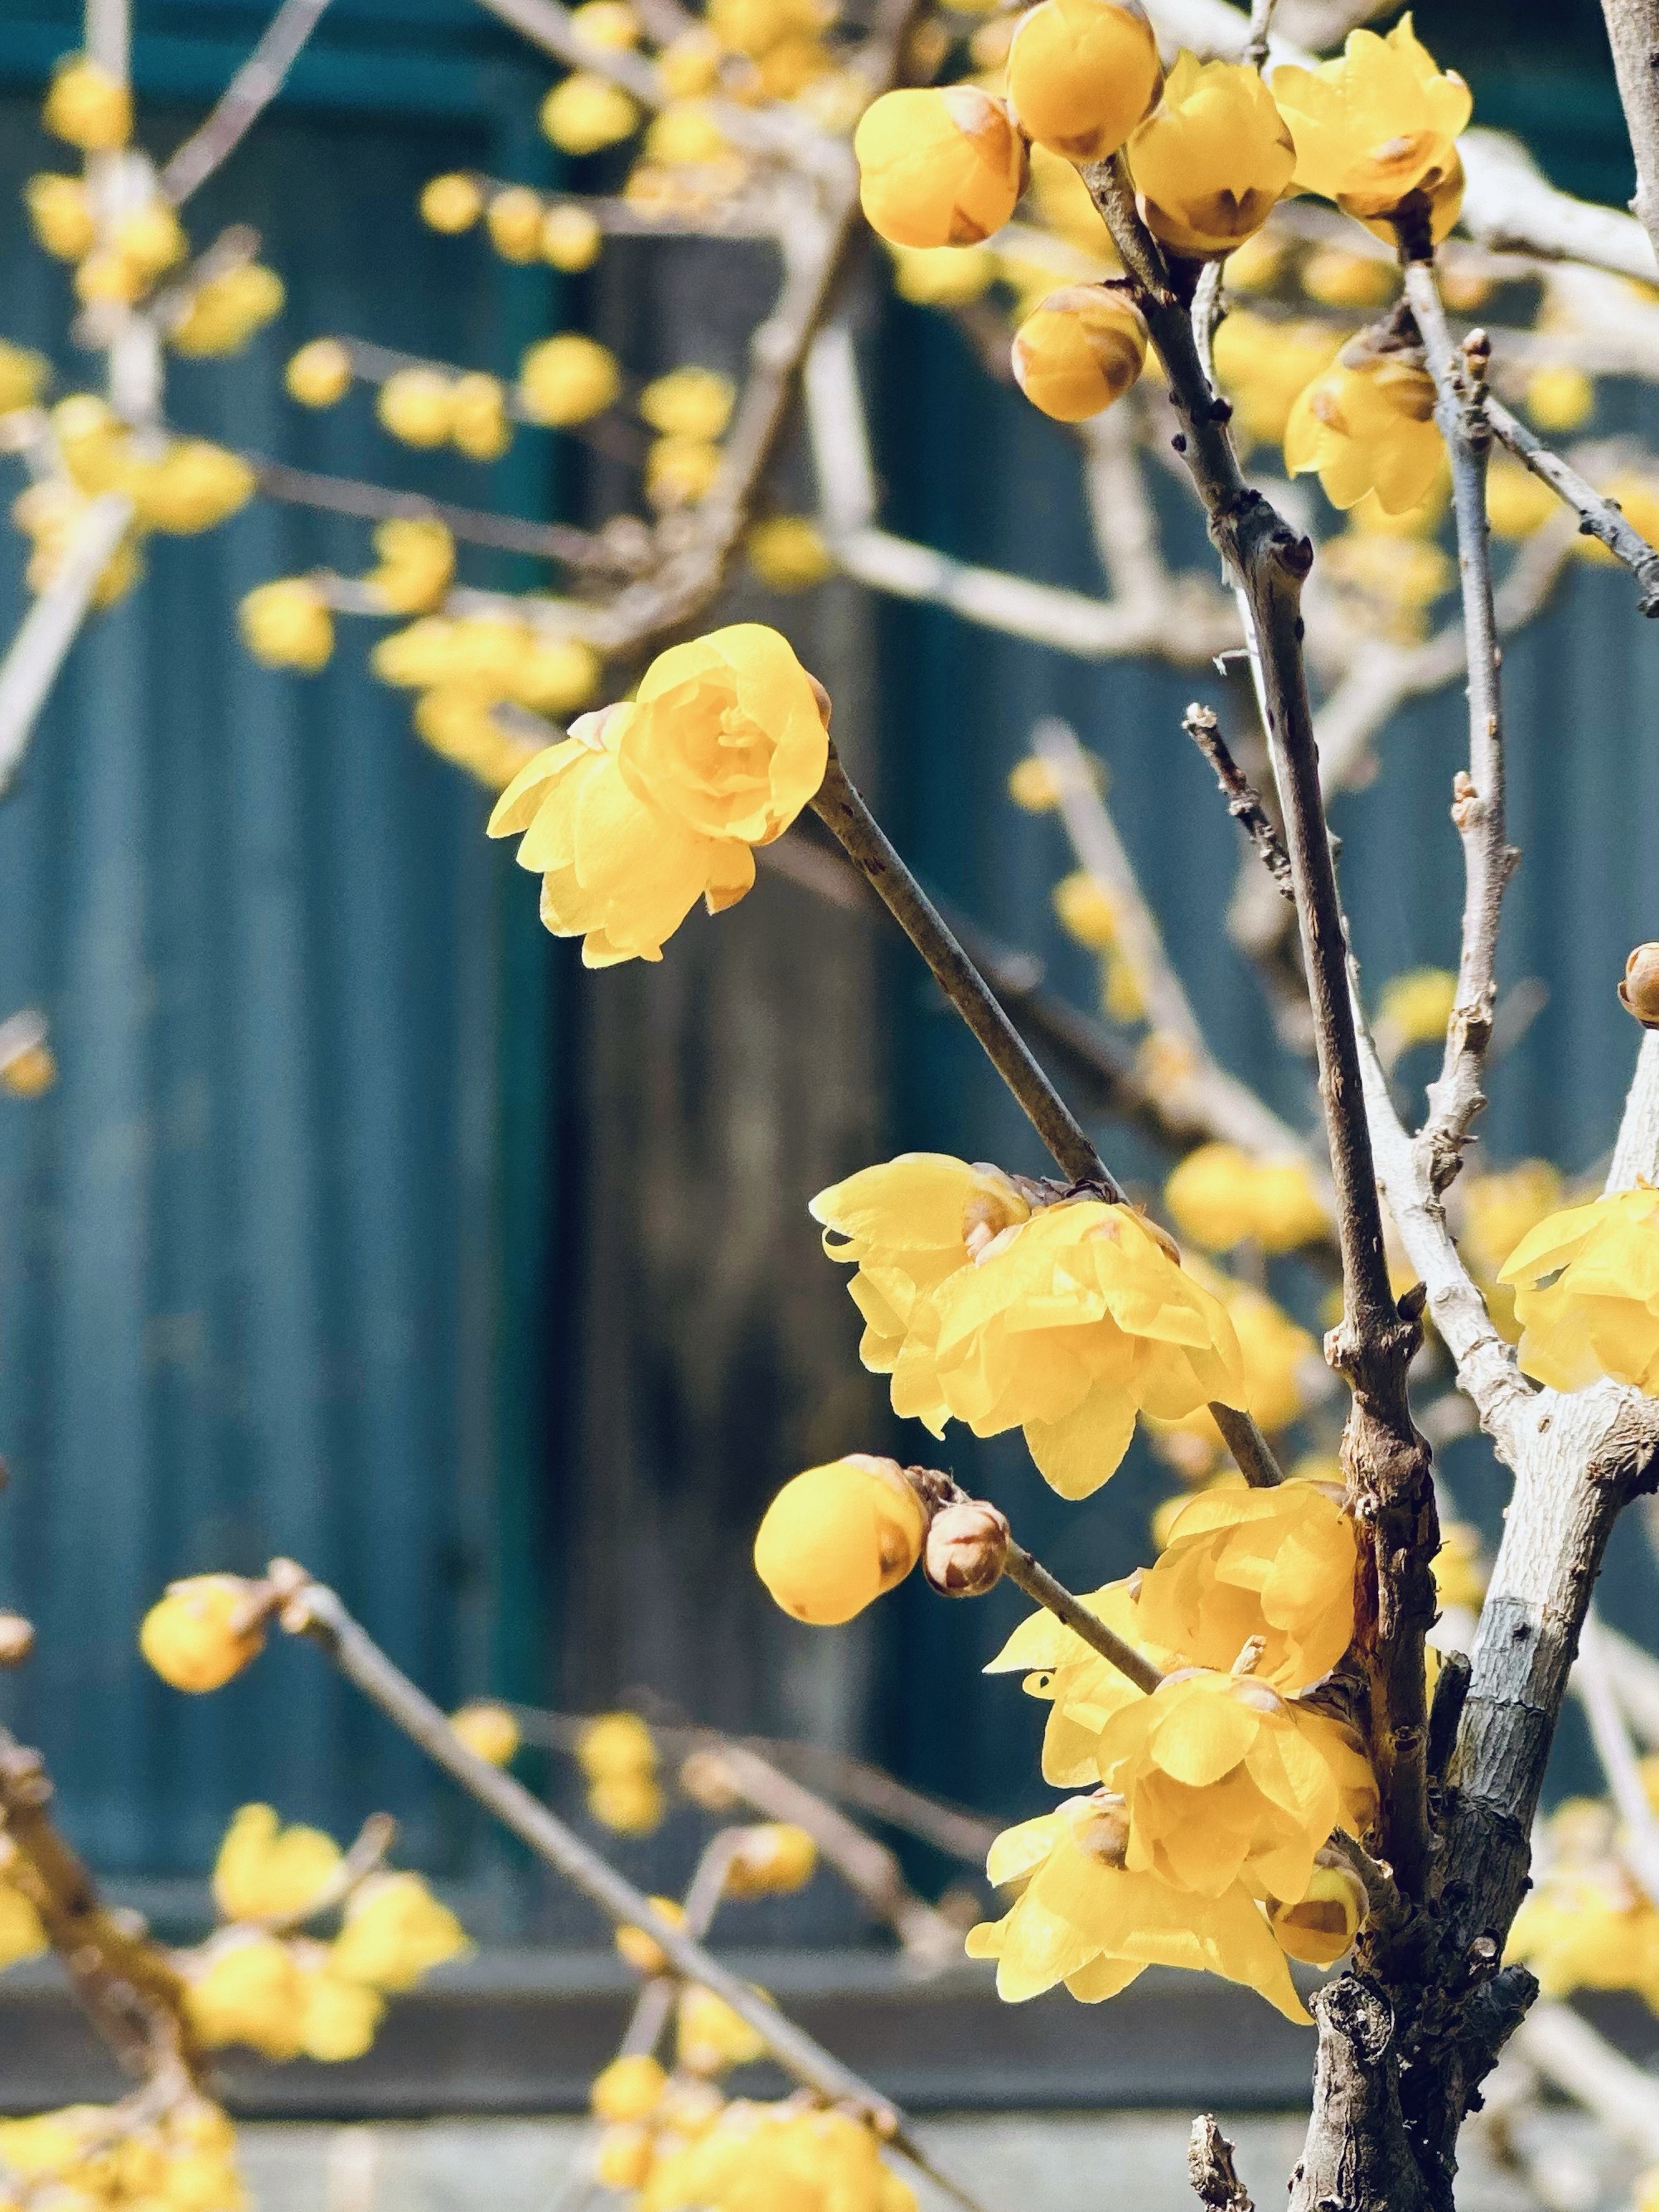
(1221, 1785)
(395, 1931)
(837, 1537)
(1212, 159)
(1367, 424)
(1081, 74)
(1082, 1690)
(1375, 124)
(649, 806)
(1089, 1919)
(1221, 1195)
(1274, 1564)
(938, 165)
(1586, 1284)
(266, 1872)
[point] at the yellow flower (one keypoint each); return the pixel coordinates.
(1587, 1293)
(642, 1952)
(1085, 911)
(1262, 366)
(838, 1537)
(150, 239)
(1031, 786)
(1081, 75)
(487, 1731)
(689, 403)
(755, 2158)
(338, 2018)
(571, 239)
(687, 135)
(1274, 1564)
(395, 1931)
(266, 1872)
(787, 553)
(286, 624)
(1338, 277)
(60, 212)
(1415, 1007)
(29, 1069)
(631, 1807)
(938, 165)
(690, 63)
(417, 406)
(1221, 1785)
(246, 1988)
(1086, 1918)
(628, 2088)
(624, 2156)
(1460, 1577)
(1081, 1689)
(773, 1860)
(418, 560)
(943, 276)
(1375, 125)
(709, 2037)
(202, 1632)
(615, 1746)
(1498, 1208)
(566, 378)
(226, 311)
(451, 203)
(1586, 1926)
(756, 26)
(460, 727)
(679, 471)
(1560, 399)
(479, 425)
(21, 1935)
(1220, 1196)
(611, 24)
(1366, 425)
(87, 107)
(1517, 502)
(513, 221)
(587, 112)
(319, 373)
(619, 1759)
(1083, 349)
(23, 376)
(193, 486)
(1400, 576)
(1212, 159)
(1319, 1927)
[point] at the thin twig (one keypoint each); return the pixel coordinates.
(1598, 516)
(244, 100)
(1478, 805)
(1243, 800)
(311, 1610)
(507, 533)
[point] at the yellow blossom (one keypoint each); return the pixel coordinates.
(286, 624)
(1262, 366)
(1586, 1926)
(642, 1952)
(417, 406)
(571, 239)
(1274, 1564)
(1087, 1918)
(1321, 1925)
(1586, 1284)
(756, 26)
(246, 1988)
(631, 1807)
(224, 313)
(709, 2036)
(1366, 425)
(23, 376)
(1401, 577)
(266, 1872)
(87, 107)
(319, 373)
(150, 239)
(395, 1931)
(568, 378)
(417, 559)
(60, 212)
(1219, 1196)
(619, 1760)
(202, 1632)
(1460, 1577)
(1562, 398)
(1083, 349)
(611, 24)
(1517, 502)
(451, 203)
(762, 2158)
(1081, 75)
(488, 1730)
(514, 220)
(1031, 786)
(942, 276)
(1081, 1689)
(1499, 1207)
(479, 424)
(1085, 910)
(192, 485)
(689, 403)
(772, 1860)
(1375, 125)
(680, 471)
(787, 553)
(29, 1069)
(938, 165)
(1338, 277)
(624, 2156)
(587, 112)
(837, 1537)
(338, 2018)
(687, 135)
(628, 2088)
(689, 64)
(460, 726)
(614, 1745)
(1415, 1007)
(1212, 159)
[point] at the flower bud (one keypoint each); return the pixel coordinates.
(451, 203)
(203, 1631)
(966, 1549)
(417, 406)
(487, 1731)
(514, 223)
(587, 112)
(571, 239)
(706, 1777)
(286, 623)
(1210, 163)
(1081, 75)
(61, 215)
(938, 165)
(642, 1952)
(87, 107)
(622, 2157)
(1638, 994)
(837, 1537)
(1320, 1926)
(319, 373)
(1083, 349)
(629, 2087)
(771, 1861)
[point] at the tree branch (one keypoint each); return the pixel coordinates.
(1245, 803)
(1211, 2171)
(244, 98)
(1599, 517)
(1633, 34)
(53, 621)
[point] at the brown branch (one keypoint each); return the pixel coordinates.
(1599, 517)
(506, 533)
(1478, 805)
(125, 1983)
(1243, 799)
(1211, 2170)
(310, 1610)
(246, 98)
(1633, 34)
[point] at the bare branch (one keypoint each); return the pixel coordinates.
(549, 541)
(244, 98)
(1633, 34)
(1211, 2171)
(1600, 517)
(1245, 803)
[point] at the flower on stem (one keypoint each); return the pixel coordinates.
(1081, 75)
(1082, 1689)
(1085, 1916)
(489, 1731)
(203, 1631)
(1366, 424)
(87, 106)
(319, 373)
(775, 1859)
(1082, 349)
(417, 562)
(838, 1537)
(395, 1931)
(451, 203)
(266, 1872)
(1263, 365)
(762, 2156)
(617, 1756)
(1586, 1283)
(587, 112)
(1320, 1926)
(1375, 125)
(1213, 158)
(647, 806)
(286, 623)
(938, 165)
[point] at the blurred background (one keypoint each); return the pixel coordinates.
(364, 1225)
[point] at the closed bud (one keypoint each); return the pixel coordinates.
(451, 203)
(1638, 994)
(16, 1639)
(515, 222)
(1209, 165)
(938, 165)
(319, 373)
(87, 107)
(628, 2088)
(205, 1631)
(487, 1731)
(1083, 349)
(643, 1952)
(1317, 1928)
(966, 1549)
(837, 1537)
(771, 1861)
(1081, 75)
